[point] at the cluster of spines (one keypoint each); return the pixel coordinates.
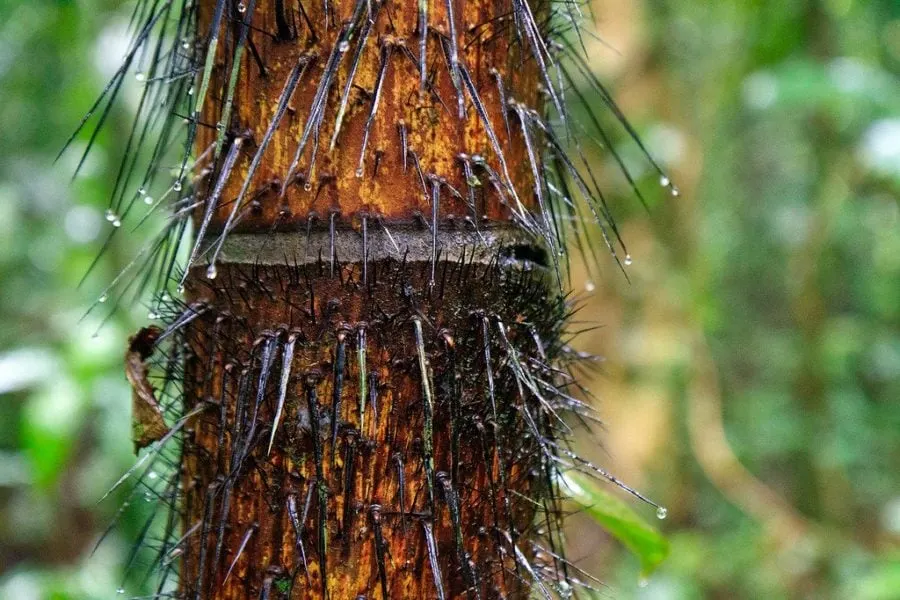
(511, 353)
(176, 65)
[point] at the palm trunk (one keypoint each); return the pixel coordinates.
(365, 348)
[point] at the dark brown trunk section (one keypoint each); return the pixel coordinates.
(357, 348)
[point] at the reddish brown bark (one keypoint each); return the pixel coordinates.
(483, 468)
(373, 453)
(434, 130)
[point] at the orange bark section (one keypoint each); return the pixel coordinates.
(435, 132)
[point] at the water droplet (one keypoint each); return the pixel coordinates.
(148, 200)
(628, 260)
(344, 46)
(191, 91)
(113, 218)
(103, 298)
(152, 475)
(359, 173)
(142, 192)
(180, 289)
(590, 286)
(140, 76)
(643, 582)
(152, 315)
(211, 272)
(675, 192)
(177, 186)
(242, 7)
(307, 186)
(185, 45)
(120, 591)
(665, 181)
(662, 512)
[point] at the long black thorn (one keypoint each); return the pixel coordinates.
(380, 548)
(299, 524)
(340, 360)
(243, 546)
(312, 404)
(361, 351)
(317, 108)
(453, 506)
(351, 75)
(433, 561)
(423, 43)
(349, 485)
(204, 538)
(386, 50)
(287, 92)
(212, 204)
(435, 207)
(427, 411)
(397, 459)
(287, 357)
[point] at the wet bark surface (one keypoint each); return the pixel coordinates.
(401, 464)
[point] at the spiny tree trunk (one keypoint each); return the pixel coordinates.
(365, 379)
(368, 440)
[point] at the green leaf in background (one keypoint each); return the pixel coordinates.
(623, 523)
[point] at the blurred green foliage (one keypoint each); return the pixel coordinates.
(781, 123)
(64, 412)
(780, 262)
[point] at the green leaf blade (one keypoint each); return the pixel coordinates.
(642, 539)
